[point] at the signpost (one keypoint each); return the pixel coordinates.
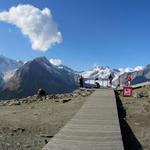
(127, 91)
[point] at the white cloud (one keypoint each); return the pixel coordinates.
(37, 24)
(55, 62)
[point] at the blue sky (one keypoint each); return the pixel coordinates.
(111, 33)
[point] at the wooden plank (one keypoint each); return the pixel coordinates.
(94, 127)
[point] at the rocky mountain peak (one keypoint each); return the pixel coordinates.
(36, 74)
(148, 66)
(42, 60)
(7, 64)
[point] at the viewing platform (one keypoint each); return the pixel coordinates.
(94, 127)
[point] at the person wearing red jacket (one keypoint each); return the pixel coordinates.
(129, 80)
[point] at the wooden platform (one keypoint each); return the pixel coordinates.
(94, 127)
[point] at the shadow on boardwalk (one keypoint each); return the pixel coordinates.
(129, 139)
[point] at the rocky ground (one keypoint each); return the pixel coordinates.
(134, 113)
(29, 123)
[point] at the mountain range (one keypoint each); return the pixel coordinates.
(137, 76)
(35, 74)
(102, 74)
(7, 68)
(7, 64)
(19, 79)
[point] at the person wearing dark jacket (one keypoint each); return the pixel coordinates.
(97, 85)
(110, 80)
(81, 82)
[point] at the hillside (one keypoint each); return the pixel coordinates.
(134, 114)
(137, 76)
(28, 123)
(35, 74)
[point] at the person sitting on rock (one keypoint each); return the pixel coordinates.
(97, 85)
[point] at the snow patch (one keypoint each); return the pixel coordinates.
(8, 75)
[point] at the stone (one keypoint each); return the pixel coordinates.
(7, 144)
(140, 94)
(18, 129)
(14, 103)
(145, 94)
(83, 94)
(136, 95)
(28, 146)
(6, 102)
(137, 123)
(25, 101)
(41, 92)
(57, 100)
(2, 104)
(75, 94)
(46, 136)
(46, 141)
(65, 100)
(18, 144)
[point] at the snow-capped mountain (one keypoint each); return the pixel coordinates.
(7, 68)
(7, 64)
(102, 73)
(128, 69)
(7, 75)
(35, 74)
(67, 69)
(97, 72)
(139, 76)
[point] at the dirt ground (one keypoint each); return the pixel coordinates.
(134, 114)
(30, 126)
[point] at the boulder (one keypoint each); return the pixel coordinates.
(65, 100)
(41, 92)
(140, 94)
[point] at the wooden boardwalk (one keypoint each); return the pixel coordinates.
(94, 127)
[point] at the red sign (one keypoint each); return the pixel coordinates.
(127, 91)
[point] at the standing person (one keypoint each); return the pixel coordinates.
(81, 82)
(129, 80)
(110, 80)
(119, 81)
